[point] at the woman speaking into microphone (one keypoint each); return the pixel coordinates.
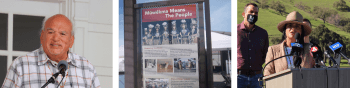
(290, 27)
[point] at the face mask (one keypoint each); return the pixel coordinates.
(252, 19)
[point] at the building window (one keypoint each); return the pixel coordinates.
(26, 32)
(3, 31)
(3, 68)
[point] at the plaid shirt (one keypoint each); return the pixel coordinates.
(34, 69)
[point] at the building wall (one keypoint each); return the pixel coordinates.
(93, 29)
(93, 38)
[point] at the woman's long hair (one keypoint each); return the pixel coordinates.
(301, 38)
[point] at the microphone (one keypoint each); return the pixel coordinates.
(317, 54)
(296, 49)
(62, 67)
(336, 48)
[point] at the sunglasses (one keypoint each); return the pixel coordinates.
(293, 25)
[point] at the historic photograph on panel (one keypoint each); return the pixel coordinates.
(150, 65)
(184, 64)
(164, 65)
(157, 83)
(183, 31)
(183, 34)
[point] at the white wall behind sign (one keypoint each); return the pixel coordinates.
(93, 19)
(101, 12)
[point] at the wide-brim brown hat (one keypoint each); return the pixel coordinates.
(294, 17)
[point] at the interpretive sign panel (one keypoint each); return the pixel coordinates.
(169, 47)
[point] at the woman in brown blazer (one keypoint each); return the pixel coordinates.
(292, 25)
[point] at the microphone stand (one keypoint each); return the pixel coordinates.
(316, 62)
(319, 63)
(60, 82)
(331, 59)
(62, 72)
(51, 80)
(344, 56)
(297, 61)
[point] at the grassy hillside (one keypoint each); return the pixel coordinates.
(324, 3)
(269, 19)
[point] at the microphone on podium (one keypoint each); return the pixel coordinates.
(296, 49)
(62, 67)
(317, 54)
(337, 49)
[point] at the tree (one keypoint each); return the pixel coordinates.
(341, 4)
(334, 19)
(323, 12)
(302, 6)
(275, 40)
(254, 1)
(278, 6)
(346, 28)
(347, 47)
(264, 4)
(343, 21)
(336, 4)
(322, 36)
(291, 1)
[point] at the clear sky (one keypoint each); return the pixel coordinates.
(220, 16)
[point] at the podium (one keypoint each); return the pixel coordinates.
(310, 78)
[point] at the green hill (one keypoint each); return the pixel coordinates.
(324, 3)
(269, 18)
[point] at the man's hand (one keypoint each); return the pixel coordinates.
(306, 39)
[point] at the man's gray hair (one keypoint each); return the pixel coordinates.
(46, 18)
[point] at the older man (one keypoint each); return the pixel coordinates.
(34, 69)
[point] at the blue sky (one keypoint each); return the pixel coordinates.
(220, 16)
